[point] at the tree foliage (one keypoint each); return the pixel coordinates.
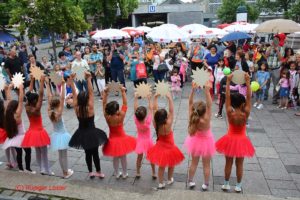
(5, 8)
(294, 12)
(276, 5)
(227, 12)
(105, 11)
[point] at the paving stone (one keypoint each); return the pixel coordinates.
(254, 182)
(7, 192)
(266, 152)
(278, 170)
(260, 140)
(285, 193)
(277, 184)
(252, 167)
(290, 159)
(293, 169)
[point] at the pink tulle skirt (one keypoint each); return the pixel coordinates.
(143, 145)
(200, 145)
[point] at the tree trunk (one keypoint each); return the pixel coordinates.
(53, 46)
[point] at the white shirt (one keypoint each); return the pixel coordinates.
(81, 63)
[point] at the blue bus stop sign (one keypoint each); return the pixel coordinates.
(151, 9)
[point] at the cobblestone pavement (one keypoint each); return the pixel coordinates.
(274, 170)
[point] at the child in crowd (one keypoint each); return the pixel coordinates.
(294, 76)
(164, 153)
(143, 120)
(249, 58)
(219, 74)
(60, 137)
(176, 82)
(200, 143)
(235, 144)
(59, 72)
(15, 131)
(284, 83)
(87, 136)
(36, 136)
(262, 77)
(222, 97)
(100, 75)
(119, 143)
(182, 70)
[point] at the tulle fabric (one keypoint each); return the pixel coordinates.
(143, 145)
(165, 153)
(201, 144)
(60, 141)
(235, 143)
(36, 135)
(119, 144)
(3, 135)
(144, 140)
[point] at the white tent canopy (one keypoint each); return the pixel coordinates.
(110, 34)
(246, 28)
(193, 27)
(145, 29)
(208, 33)
(166, 34)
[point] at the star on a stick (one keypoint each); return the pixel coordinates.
(17, 79)
(55, 78)
(114, 86)
(80, 72)
(143, 90)
(200, 77)
(162, 88)
(36, 72)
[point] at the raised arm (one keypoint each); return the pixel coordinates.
(248, 95)
(104, 100)
(90, 89)
(208, 97)
(227, 94)
(49, 93)
(74, 93)
(150, 106)
(62, 96)
(20, 103)
(155, 103)
(191, 98)
(136, 102)
(7, 89)
(124, 98)
(171, 107)
(31, 83)
(41, 93)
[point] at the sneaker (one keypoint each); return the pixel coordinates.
(161, 186)
(170, 182)
(70, 173)
(255, 104)
(238, 188)
(29, 171)
(283, 108)
(260, 106)
(225, 187)
(100, 175)
(124, 176)
(218, 116)
(204, 187)
(279, 106)
(118, 175)
(192, 185)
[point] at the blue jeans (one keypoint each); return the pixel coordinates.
(81, 85)
(118, 75)
(260, 94)
(158, 76)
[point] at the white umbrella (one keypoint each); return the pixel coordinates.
(110, 34)
(168, 26)
(166, 34)
(83, 40)
(193, 27)
(145, 29)
(208, 33)
(246, 28)
(278, 26)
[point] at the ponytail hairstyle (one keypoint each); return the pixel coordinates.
(198, 110)
(1, 113)
(10, 122)
(55, 102)
(160, 119)
(82, 101)
(112, 108)
(32, 98)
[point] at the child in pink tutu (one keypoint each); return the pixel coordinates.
(235, 144)
(143, 120)
(176, 83)
(200, 141)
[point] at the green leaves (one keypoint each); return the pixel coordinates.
(227, 12)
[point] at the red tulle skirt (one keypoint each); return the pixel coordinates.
(119, 146)
(3, 135)
(36, 138)
(165, 155)
(237, 146)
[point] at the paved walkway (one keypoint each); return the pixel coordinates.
(275, 169)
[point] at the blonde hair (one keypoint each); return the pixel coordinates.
(198, 110)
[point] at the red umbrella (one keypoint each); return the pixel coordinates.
(221, 26)
(133, 32)
(92, 33)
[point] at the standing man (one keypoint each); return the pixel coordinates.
(116, 59)
(13, 64)
(23, 55)
(81, 63)
(33, 49)
(94, 57)
(274, 55)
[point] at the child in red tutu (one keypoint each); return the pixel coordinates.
(164, 153)
(200, 142)
(119, 143)
(143, 120)
(36, 136)
(235, 144)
